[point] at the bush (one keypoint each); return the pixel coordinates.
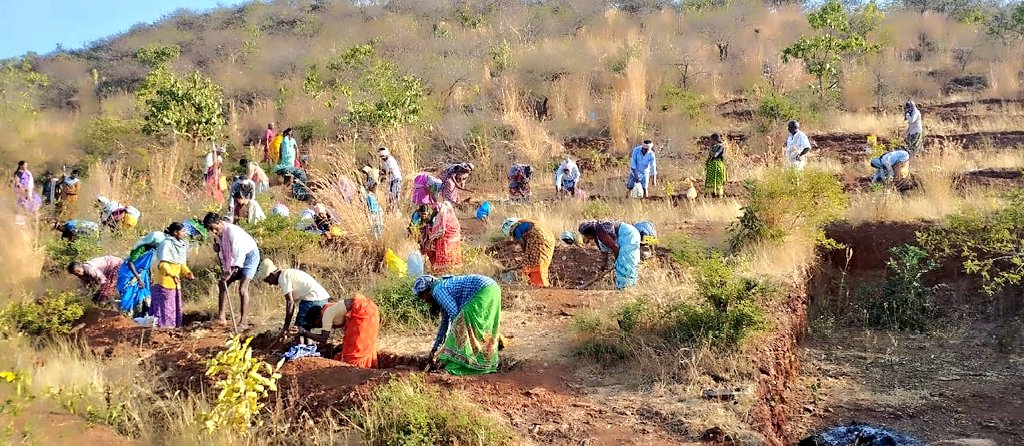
(990, 245)
(686, 250)
(785, 202)
(312, 130)
(52, 315)
(278, 238)
(60, 252)
(105, 136)
(411, 412)
(906, 303)
(690, 103)
(244, 384)
(399, 307)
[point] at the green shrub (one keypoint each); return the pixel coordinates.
(728, 313)
(906, 303)
(787, 201)
(312, 130)
(60, 252)
(686, 250)
(399, 307)
(595, 209)
(990, 245)
(411, 412)
(105, 136)
(52, 315)
(278, 238)
(690, 103)
(775, 109)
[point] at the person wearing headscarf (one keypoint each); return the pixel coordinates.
(172, 267)
(567, 176)
(67, 191)
(648, 238)
(394, 175)
(617, 239)
(24, 188)
(915, 130)
(256, 174)
(797, 146)
(426, 190)
(213, 177)
(72, 229)
(133, 279)
(117, 216)
(519, 181)
(894, 165)
(453, 179)
(538, 245)
(468, 336)
(442, 242)
(643, 168)
(714, 168)
(99, 274)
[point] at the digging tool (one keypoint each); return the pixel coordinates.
(595, 279)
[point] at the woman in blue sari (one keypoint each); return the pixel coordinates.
(619, 239)
(133, 279)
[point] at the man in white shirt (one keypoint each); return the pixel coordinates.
(894, 165)
(566, 177)
(394, 174)
(296, 286)
(643, 168)
(797, 146)
(914, 127)
(239, 258)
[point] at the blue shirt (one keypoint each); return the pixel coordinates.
(452, 293)
(643, 164)
(372, 204)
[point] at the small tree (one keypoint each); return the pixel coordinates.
(823, 54)
(1008, 24)
(20, 87)
(157, 55)
(191, 107)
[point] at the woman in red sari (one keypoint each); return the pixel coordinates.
(442, 242)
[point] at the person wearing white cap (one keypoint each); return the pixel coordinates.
(372, 176)
(643, 168)
(296, 285)
(394, 175)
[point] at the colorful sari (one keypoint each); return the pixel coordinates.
(69, 188)
(425, 186)
(134, 293)
(539, 249)
(471, 346)
(444, 239)
(627, 263)
(28, 199)
(714, 172)
(362, 325)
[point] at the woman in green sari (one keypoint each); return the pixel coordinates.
(470, 308)
(714, 168)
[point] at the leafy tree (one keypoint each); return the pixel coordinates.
(20, 88)
(1008, 24)
(906, 303)
(157, 54)
(823, 54)
(989, 245)
(191, 107)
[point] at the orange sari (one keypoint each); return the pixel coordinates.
(362, 324)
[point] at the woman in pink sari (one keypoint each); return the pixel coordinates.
(24, 187)
(443, 241)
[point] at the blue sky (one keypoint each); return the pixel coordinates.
(39, 25)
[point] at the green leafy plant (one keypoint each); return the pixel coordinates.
(399, 307)
(191, 107)
(157, 54)
(823, 55)
(243, 383)
(785, 202)
(411, 412)
(1008, 23)
(690, 103)
(20, 89)
(54, 314)
(278, 238)
(378, 94)
(60, 252)
(906, 303)
(989, 245)
(501, 56)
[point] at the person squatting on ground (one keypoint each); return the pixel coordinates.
(453, 179)
(715, 168)
(243, 206)
(24, 189)
(389, 165)
(442, 243)
(894, 165)
(612, 238)
(99, 274)
(567, 176)
(538, 245)
(117, 216)
(915, 129)
(73, 229)
(643, 168)
(239, 257)
(468, 336)
(172, 266)
(797, 146)
(519, 181)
